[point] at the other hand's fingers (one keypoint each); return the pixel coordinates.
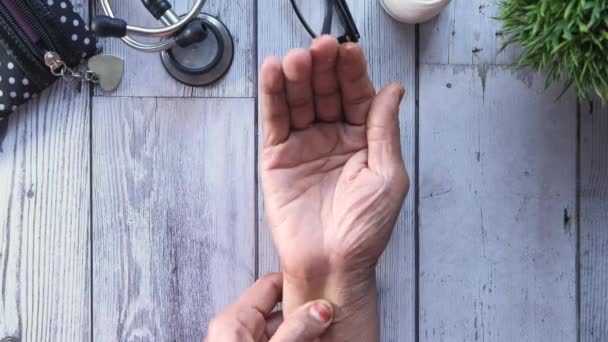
(297, 66)
(275, 112)
(356, 87)
(328, 103)
(264, 295)
(273, 322)
(305, 324)
(383, 138)
(247, 317)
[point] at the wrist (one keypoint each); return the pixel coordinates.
(353, 294)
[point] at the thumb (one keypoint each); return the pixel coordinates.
(383, 135)
(306, 324)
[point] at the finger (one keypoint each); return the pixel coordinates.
(384, 144)
(306, 323)
(356, 87)
(264, 295)
(298, 73)
(273, 323)
(328, 103)
(275, 112)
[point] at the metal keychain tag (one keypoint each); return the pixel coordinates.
(105, 70)
(109, 70)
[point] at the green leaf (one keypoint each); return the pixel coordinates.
(567, 39)
(569, 9)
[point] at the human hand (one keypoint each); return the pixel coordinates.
(333, 175)
(250, 318)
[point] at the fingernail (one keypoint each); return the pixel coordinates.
(401, 93)
(351, 48)
(321, 311)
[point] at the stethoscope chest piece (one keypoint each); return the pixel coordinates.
(205, 62)
(196, 49)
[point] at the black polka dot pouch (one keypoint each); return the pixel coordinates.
(29, 31)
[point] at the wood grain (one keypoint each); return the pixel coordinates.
(44, 223)
(465, 33)
(173, 224)
(144, 72)
(385, 42)
(497, 189)
(174, 192)
(497, 207)
(594, 223)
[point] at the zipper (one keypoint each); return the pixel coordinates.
(27, 12)
(24, 49)
(13, 26)
(40, 17)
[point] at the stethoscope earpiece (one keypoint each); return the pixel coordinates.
(197, 49)
(195, 32)
(106, 26)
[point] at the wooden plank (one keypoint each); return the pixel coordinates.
(385, 41)
(497, 207)
(145, 74)
(465, 33)
(173, 225)
(44, 223)
(497, 189)
(45, 220)
(594, 223)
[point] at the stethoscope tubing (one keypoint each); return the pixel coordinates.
(155, 32)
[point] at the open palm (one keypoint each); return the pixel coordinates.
(333, 175)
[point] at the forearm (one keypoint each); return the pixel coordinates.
(355, 299)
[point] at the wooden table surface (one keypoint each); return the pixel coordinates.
(137, 215)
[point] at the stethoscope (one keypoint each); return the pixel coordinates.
(197, 49)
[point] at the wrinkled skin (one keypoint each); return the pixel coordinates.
(333, 175)
(251, 318)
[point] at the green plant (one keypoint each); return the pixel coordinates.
(566, 38)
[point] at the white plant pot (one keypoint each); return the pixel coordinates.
(413, 11)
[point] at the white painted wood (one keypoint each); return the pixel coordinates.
(497, 189)
(144, 72)
(390, 49)
(594, 223)
(465, 33)
(174, 197)
(45, 213)
(44, 222)
(497, 207)
(173, 224)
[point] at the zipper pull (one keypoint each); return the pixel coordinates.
(54, 62)
(105, 70)
(59, 69)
